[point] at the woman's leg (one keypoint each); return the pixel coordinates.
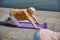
(14, 21)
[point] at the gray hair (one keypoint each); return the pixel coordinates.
(32, 8)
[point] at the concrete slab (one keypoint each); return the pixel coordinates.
(57, 28)
(8, 33)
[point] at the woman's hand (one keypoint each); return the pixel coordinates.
(38, 28)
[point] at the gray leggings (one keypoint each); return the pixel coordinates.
(14, 20)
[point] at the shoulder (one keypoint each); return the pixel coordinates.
(46, 31)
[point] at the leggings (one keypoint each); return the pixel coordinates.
(36, 35)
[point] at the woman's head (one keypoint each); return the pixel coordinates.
(31, 10)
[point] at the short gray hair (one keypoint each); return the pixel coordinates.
(32, 8)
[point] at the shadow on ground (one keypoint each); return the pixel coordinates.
(7, 24)
(1, 23)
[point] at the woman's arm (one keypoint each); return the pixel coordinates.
(29, 19)
(35, 19)
(33, 24)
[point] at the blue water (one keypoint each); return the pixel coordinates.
(51, 5)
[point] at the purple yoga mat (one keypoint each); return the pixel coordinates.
(28, 25)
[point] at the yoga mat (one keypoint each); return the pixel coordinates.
(27, 25)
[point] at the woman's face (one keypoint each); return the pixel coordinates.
(30, 12)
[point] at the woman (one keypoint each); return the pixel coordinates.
(17, 15)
